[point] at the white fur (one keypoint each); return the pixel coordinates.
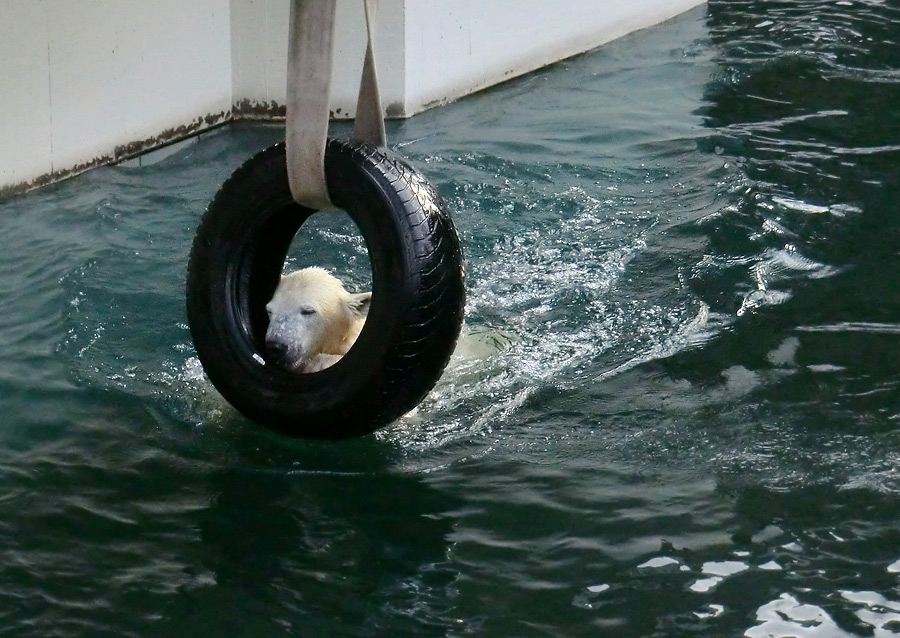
(313, 320)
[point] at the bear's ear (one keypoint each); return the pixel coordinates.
(359, 303)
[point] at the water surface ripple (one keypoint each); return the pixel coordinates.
(683, 419)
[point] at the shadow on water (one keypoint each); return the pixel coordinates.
(359, 552)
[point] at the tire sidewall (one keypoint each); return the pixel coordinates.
(236, 261)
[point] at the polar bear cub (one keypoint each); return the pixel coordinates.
(313, 320)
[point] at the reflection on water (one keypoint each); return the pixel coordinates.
(786, 616)
(674, 411)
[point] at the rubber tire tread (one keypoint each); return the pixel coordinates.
(417, 304)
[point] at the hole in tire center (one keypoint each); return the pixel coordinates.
(312, 323)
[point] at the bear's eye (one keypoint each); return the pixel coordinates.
(306, 312)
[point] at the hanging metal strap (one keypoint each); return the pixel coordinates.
(310, 57)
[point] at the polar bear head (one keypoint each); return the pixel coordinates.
(313, 320)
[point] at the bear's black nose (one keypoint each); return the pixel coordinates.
(278, 351)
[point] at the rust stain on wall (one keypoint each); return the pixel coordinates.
(243, 111)
(168, 136)
(252, 110)
(123, 152)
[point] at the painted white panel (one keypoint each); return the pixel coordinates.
(25, 145)
(259, 46)
(260, 41)
(350, 50)
(181, 66)
(88, 80)
(455, 48)
(122, 71)
(433, 51)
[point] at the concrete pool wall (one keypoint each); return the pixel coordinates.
(88, 82)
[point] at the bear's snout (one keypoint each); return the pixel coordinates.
(280, 352)
(313, 321)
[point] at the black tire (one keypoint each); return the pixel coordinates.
(418, 293)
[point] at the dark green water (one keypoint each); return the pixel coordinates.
(690, 240)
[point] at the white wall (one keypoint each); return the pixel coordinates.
(259, 36)
(84, 82)
(259, 31)
(449, 54)
(431, 52)
(25, 120)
